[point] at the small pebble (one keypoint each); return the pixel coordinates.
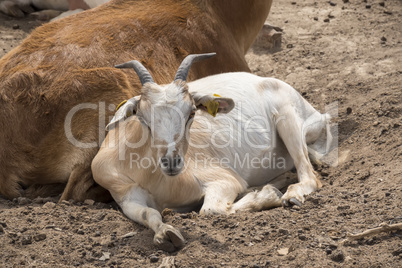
(26, 240)
(105, 256)
(283, 251)
(65, 202)
(16, 26)
(383, 39)
(332, 3)
(289, 46)
(38, 200)
(368, 6)
(302, 237)
(316, 18)
(328, 251)
(348, 110)
(382, 4)
(387, 194)
(49, 205)
(337, 256)
(39, 237)
(23, 201)
(326, 20)
(89, 202)
(154, 258)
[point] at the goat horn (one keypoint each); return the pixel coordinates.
(182, 72)
(142, 72)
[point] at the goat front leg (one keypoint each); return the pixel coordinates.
(136, 206)
(290, 129)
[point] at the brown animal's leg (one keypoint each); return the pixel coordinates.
(289, 126)
(44, 190)
(15, 9)
(269, 38)
(81, 186)
(10, 8)
(9, 187)
(45, 15)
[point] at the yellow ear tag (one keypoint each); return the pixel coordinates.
(216, 95)
(212, 107)
(121, 104)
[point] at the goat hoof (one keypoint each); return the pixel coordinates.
(176, 238)
(296, 202)
(169, 239)
(291, 202)
(285, 203)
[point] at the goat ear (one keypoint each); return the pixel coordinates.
(213, 104)
(124, 111)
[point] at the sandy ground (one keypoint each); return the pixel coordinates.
(344, 54)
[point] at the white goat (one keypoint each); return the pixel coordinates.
(153, 160)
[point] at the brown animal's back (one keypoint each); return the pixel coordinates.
(70, 62)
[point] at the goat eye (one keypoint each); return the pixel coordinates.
(191, 116)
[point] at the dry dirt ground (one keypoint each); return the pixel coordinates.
(347, 53)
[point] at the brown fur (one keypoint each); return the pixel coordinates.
(70, 61)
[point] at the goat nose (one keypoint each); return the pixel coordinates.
(171, 165)
(177, 160)
(165, 162)
(171, 162)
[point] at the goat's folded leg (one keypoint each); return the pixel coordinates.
(135, 205)
(219, 196)
(290, 128)
(266, 198)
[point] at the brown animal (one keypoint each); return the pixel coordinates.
(48, 9)
(45, 137)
